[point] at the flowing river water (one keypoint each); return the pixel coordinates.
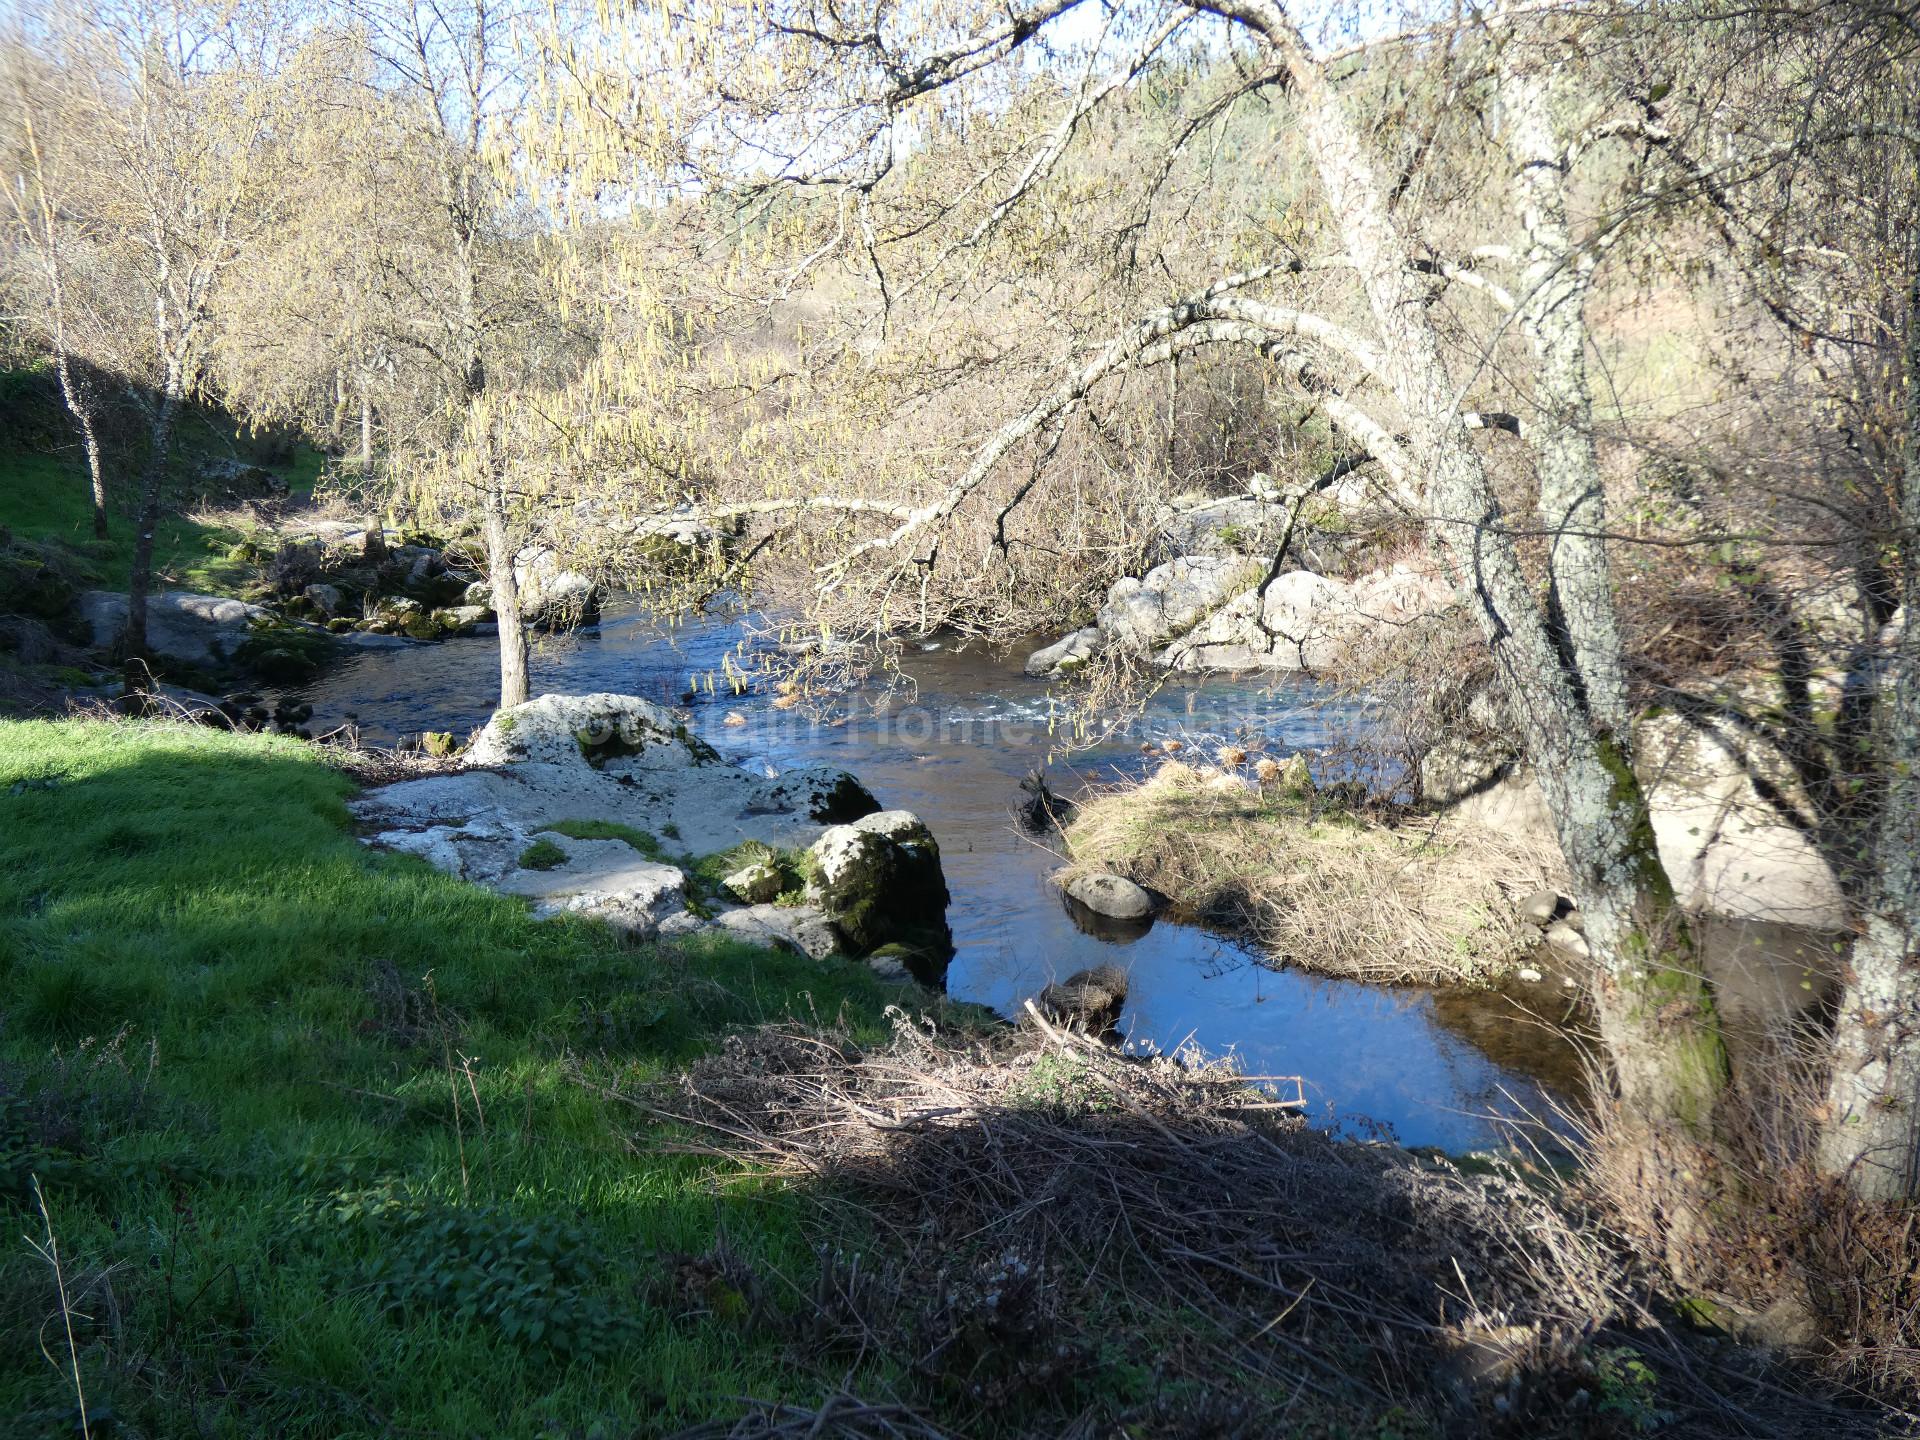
(1424, 1068)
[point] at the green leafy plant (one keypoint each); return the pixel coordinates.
(1627, 1388)
(534, 1280)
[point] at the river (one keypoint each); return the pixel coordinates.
(952, 745)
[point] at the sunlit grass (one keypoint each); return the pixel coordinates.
(324, 1024)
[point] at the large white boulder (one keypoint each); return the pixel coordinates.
(1306, 621)
(197, 629)
(1226, 525)
(1169, 599)
(1726, 849)
(571, 729)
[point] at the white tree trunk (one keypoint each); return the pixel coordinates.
(506, 600)
(1552, 316)
(1872, 1135)
(1657, 1016)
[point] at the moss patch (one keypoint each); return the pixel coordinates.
(542, 855)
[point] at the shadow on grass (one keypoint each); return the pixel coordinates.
(306, 1123)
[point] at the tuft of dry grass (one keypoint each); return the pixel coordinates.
(1379, 897)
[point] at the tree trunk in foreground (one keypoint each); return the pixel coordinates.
(1872, 1133)
(506, 601)
(1657, 1013)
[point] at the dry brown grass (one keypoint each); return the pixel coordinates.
(1382, 898)
(1768, 1246)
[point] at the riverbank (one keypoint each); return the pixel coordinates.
(1317, 881)
(314, 1128)
(335, 1144)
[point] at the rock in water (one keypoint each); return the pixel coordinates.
(1113, 896)
(1040, 809)
(879, 882)
(1543, 907)
(1090, 1000)
(553, 597)
(1065, 656)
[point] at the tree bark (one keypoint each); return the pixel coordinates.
(1552, 316)
(137, 670)
(1872, 1134)
(1657, 1012)
(506, 601)
(366, 431)
(80, 406)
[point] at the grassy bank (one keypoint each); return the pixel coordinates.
(301, 1140)
(44, 499)
(314, 1145)
(1320, 885)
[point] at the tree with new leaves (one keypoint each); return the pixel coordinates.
(180, 109)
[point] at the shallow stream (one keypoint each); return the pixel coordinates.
(1393, 1060)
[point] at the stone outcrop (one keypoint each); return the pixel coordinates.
(1727, 850)
(879, 882)
(1170, 598)
(1207, 612)
(629, 768)
(1307, 621)
(196, 629)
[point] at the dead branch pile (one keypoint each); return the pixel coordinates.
(1039, 1212)
(1039, 1203)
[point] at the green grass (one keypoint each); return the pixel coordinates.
(648, 845)
(542, 855)
(794, 867)
(322, 1132)
(44, 497)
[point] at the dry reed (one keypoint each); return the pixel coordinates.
(1323, 887)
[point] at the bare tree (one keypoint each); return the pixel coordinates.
(42, 218)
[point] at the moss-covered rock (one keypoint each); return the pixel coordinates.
(879, 881)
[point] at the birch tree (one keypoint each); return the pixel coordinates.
(47, 233)
(179, 107)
